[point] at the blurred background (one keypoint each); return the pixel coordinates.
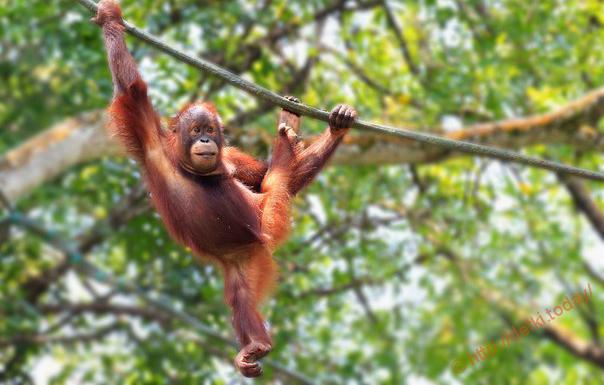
(403, 258)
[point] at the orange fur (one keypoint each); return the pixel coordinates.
(235, 215)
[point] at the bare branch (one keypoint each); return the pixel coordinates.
(585, 203)
(77, 140)
(103, 308)
(586, 351)
(37, 339)
(398, 33)
(130, 206)
(49, 154)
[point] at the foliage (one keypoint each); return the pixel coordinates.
(386, 275)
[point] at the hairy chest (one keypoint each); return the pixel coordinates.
(212, 215)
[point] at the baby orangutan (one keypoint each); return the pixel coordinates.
(225, 205)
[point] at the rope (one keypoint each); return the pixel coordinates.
(76, 259)
(302, 109)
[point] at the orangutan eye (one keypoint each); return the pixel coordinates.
(210, 130)
(197, 130)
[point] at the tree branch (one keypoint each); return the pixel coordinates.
(48, 154)
(37, 339)
(104, 308)
(81, 139)
(130, 206)
(585, 203)
(267, 95)
(398, 33)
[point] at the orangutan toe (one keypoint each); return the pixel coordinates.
(247, 359)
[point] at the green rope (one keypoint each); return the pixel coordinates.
(260, 92)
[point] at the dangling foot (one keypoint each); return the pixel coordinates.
(247, 358)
